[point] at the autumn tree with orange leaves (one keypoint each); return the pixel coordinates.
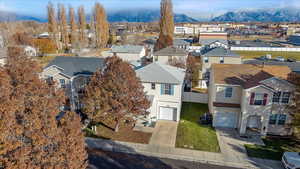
(34, 133)
(115, 93)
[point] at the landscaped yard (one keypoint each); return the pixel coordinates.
(192, 135)
(274, 148)
(257, 54)
(125, 133)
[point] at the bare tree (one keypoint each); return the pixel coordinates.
(63, 25)
(101, 25)
(73, 24)
(52, 24)
(166, 25)
(82, 26)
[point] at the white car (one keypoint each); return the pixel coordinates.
(291, 160)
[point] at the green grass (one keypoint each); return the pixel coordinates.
(273, 149)
(191, 134)
(256, 54)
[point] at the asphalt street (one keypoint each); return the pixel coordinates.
(110, 160)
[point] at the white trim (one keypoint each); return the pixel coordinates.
(260, 85)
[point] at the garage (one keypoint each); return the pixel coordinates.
(225, 119)
(167, 113)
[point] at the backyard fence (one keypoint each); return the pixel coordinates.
(266, 49)
(195, 97)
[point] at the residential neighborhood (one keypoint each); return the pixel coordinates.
(80, 90)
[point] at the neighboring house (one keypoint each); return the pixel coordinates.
(166, 55)
(181, 43)
(294, 66)
(253, 99)
(214, 43)
(129, 53)
(72, 74)
(214, 55)
(163, 85)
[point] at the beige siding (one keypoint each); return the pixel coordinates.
(165, 59)
(220, 94)
(216, 60)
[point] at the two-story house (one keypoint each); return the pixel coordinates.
(166, 55)
(251, 98)
(163, 85)
(72, 74)
(129, 53)
(215, 55)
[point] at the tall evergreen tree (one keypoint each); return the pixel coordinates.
(166, 25)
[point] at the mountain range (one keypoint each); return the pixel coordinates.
(120, 16)
(261, 15)
(146, 15)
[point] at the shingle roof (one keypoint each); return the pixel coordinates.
(160, 73)
(177, 42)
(219, 51)
(171, 51)
(294, 66)
(247, 75)
(210, 41)
(77, 65)
(135, 49)
(253, 43)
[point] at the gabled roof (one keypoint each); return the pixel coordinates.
(160, 73)
(171, 51)
(210, 41)
(72, 66)
(247, 75)
(219, 51)
(134, 49)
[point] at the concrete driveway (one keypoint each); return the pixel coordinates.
(164, 134)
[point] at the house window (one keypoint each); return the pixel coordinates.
(62, 83)
(167, 89)
(221, 59)
(276, 97)
(153, 86)
(258, 99)
(277, 119)
(273, 119)
(281, 119)
(285, 97)
(228, 92)
(206, 59)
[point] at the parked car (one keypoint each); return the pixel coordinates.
(291, 160)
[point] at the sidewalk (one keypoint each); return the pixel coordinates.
(167, 152)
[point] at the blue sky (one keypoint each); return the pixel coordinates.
(195, 8)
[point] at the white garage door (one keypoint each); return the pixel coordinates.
(225, 119)
(167, 113)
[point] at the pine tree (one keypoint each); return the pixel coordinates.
(166, 25)
(33, 132)
(110, 95)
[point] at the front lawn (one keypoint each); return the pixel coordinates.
(192, 135)
(125, 133)
(274, 148)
